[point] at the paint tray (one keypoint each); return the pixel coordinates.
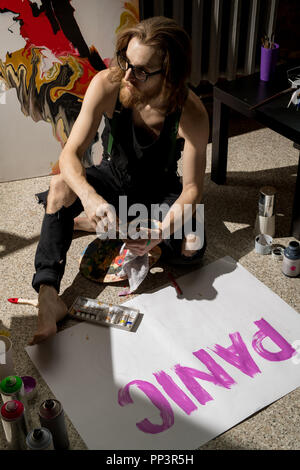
(101, 313)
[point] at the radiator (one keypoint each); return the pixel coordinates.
(226, 34)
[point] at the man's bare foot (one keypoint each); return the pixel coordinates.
(83, 223)
(51, 310)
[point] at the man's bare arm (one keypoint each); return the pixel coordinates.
(96, 101)
(100, 97)
(194, 128)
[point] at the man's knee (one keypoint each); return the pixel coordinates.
(60, 194)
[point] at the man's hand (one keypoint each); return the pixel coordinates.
(101, 214)
(149, 238)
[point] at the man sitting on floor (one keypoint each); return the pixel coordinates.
(148, 111)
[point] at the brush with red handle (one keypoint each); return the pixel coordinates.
(18, 300)
(178, 290)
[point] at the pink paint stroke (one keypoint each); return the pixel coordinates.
(175, 392)
(158, 400)
(238, 355)
(218, 376)
(267, 331)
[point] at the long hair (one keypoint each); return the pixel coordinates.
(173, 43)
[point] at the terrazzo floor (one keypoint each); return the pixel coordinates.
(257, 158)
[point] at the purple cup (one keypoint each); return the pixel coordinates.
(268, 60)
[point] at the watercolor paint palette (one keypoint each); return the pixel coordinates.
(95, 311)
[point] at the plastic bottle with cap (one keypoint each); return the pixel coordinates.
(291, 260)
(14, 424)
(12, 388)
(39, 439)
(51, 416)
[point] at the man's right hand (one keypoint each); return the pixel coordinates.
(100, 213)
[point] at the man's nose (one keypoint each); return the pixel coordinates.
(129, 77)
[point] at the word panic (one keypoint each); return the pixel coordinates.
(237, 355)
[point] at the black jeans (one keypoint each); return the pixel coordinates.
(57, 229)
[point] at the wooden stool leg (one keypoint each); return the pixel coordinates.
(295, 228)
(219, 142)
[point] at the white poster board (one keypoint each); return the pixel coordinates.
(194, 368)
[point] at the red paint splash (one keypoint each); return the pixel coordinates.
(37, 30)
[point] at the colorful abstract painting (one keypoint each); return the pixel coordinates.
(53, 69)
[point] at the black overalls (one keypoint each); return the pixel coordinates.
(146, 174)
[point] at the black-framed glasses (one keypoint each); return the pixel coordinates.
(138, 72)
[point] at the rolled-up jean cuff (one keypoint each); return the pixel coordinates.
(45, 277)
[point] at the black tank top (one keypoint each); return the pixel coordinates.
(140, 167)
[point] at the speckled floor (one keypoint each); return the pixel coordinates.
(257, 158)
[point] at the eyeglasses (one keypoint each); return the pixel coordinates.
(138, 72)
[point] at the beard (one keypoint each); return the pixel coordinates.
(130, 97)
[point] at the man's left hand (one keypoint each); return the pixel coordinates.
(149, 239)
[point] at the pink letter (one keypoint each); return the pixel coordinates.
(157, 399)
(238, 355)
(175, 392)
(266, 330)
(218, 376)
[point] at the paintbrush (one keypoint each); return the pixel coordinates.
(287, 90)
(18, 300)
(178, 290)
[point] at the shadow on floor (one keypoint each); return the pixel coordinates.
(236, 202)
(13, 242)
